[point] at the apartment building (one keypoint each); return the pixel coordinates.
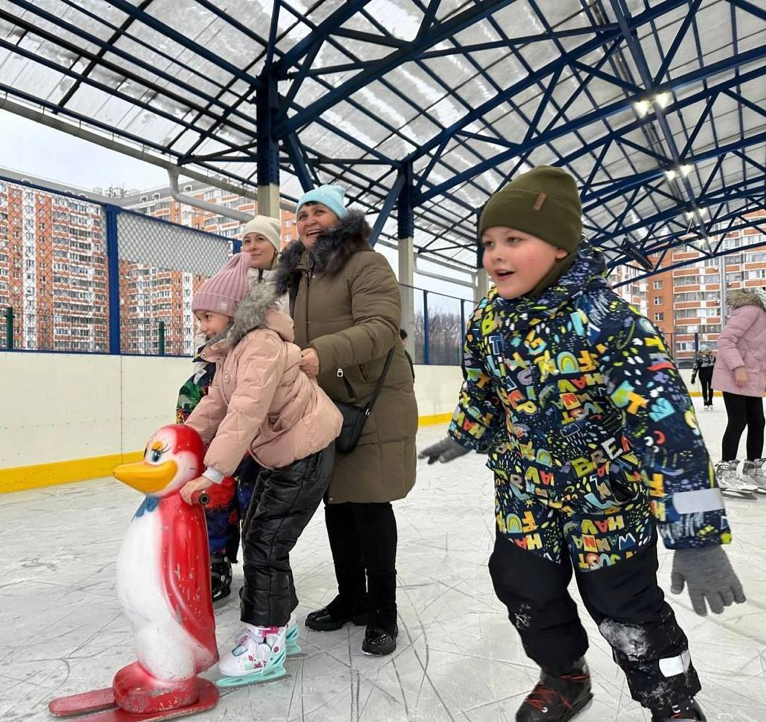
(53, 269)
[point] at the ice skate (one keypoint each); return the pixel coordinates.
(755, 473)
(259, 656)
(220, 576)
(558, 699)
(730, 482)
(692, 713)
(291, 638)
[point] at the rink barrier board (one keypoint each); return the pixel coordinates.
(22, 478)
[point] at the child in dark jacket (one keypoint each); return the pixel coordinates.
(594, 444)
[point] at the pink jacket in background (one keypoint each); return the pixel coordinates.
(260, 400)
(742, 343)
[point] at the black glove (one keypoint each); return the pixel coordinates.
(445, 450)
(708, 573)
(694, 378)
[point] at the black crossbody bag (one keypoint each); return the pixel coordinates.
(355, 416)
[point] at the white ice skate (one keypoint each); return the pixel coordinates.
(259, 656)
(754, 473)
(730, 482)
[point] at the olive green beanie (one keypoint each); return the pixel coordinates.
(545, 203)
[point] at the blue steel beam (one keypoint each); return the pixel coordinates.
(388, 206)
(379, 68)
(298, 160)
(531, 80)
(605, 112)
(314, 40)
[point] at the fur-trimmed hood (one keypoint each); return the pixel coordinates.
(260, 309)
(746, 297)
(330, 253)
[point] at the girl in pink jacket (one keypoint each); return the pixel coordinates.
(740, 373)
(262, 403)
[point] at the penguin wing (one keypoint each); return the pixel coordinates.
(186, 572)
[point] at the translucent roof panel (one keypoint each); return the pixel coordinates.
(657, 110)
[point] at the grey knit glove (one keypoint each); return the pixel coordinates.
(708, 573)
(445, 450)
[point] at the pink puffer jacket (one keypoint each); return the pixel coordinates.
(742, 343)
(260, 400)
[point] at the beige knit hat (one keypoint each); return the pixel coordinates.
(223, 292)
(267, 227)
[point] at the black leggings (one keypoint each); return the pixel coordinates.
(363, 541)
(743, 411)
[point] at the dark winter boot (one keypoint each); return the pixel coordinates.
(687, 712)
(379, 642)
(557, 698)
(337, 614)
(220, 576)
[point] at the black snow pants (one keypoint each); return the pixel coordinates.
(282, 504)
(706, 381)
(363, 539)
(623, 599)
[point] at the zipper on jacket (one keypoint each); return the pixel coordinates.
(349, 388)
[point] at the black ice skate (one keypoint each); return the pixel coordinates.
(337, 614)
(557, 699)
(220, 576)
(689, 712)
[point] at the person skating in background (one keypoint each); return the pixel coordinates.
(260, 402)
(595, 448)
(740, 373)
(403, 336)
(229, 500)
(703, 367)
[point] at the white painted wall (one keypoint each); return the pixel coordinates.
(57, 407)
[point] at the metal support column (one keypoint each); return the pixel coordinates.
(406, 233)
(267, 110)
(113, 275)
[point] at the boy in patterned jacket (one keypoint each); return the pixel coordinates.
(595, 448)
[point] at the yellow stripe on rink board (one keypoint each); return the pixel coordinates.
(20, 478)
(435, 419)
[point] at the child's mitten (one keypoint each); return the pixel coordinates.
(445, 450)
(710, 577)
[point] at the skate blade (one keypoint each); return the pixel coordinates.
(252, 679)
(736, 494)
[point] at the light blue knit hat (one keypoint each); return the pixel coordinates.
(330, 196)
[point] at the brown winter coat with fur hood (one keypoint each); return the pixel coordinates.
(346, 304)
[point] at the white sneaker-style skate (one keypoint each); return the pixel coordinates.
(754, 473)
(730, 482)
(258, 656)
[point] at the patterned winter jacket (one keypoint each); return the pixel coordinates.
(195, 387)
(576, 400)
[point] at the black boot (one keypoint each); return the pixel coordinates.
(337, 614)
(687, 712)
(220, 577)
(557, 698)
(378, 641)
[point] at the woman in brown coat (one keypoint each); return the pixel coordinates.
(346, 305)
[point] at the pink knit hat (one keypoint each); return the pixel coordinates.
(223, 292)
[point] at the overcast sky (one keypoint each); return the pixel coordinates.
(41, 151)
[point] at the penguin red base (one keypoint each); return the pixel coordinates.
(208, 698)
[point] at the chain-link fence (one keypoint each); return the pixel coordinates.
(86, 277)
(161, 266)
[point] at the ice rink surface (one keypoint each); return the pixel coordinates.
(459, 659)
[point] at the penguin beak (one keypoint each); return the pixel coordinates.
(146, 478)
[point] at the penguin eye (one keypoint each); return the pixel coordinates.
(156, 455)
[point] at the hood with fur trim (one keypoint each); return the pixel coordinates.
(260, 309)
(330, 253)
(746, 297)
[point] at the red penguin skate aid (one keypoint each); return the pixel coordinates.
(163, 584)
